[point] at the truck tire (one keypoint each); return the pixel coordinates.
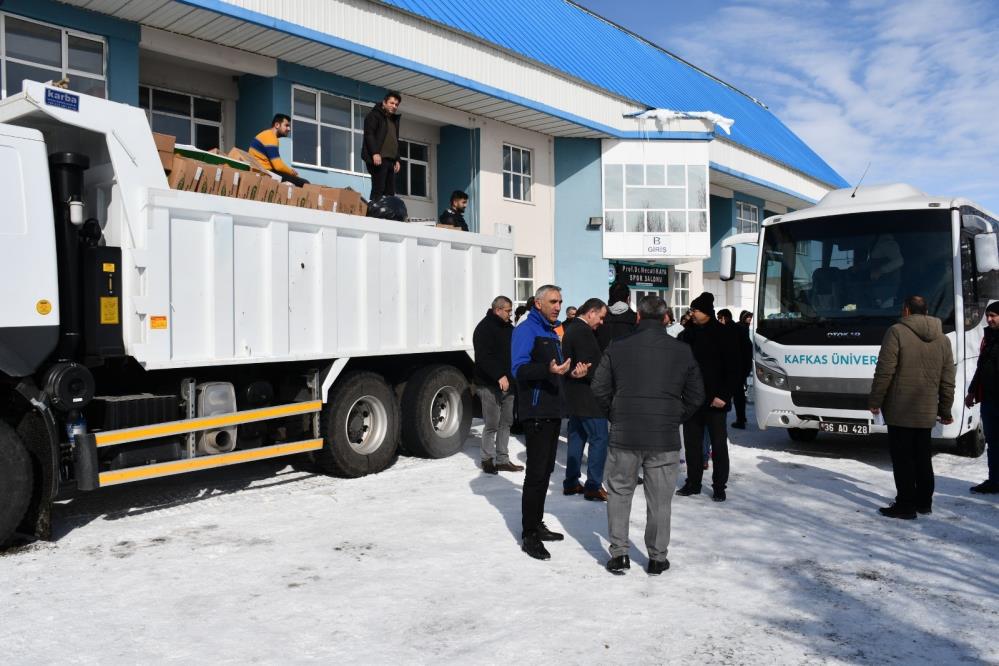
(16, 482)
(436, 412)
(802, 434)
(360, 426)
(972, 443)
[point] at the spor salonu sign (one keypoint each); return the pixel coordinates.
(639, 275)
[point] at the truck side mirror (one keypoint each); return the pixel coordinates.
(727, 270)
(986, 253)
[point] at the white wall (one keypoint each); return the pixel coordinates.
(533, 222)
(415, 130)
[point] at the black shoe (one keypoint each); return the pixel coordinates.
(688, 490)
(618, 565)
(925, 509)
(532, 546)
(640, 480)
(546, 534)
(489, 467)
(986, 488)
(741, 425)
(718, 496)
(656, 567)
(894, 511)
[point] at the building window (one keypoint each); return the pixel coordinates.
(747, 218)
(681, 293)
(192, 119)
(414, 170)
(655, 198)
(523, 280)
(327, 131)
(517, 172)
(42, 52)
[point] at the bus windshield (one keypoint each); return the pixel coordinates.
(842, 279)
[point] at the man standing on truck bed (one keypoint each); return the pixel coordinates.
(264, 149)
(539, 368)
(380, 151)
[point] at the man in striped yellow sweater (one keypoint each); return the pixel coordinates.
(264, 149)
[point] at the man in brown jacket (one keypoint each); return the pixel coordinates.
(914, 385)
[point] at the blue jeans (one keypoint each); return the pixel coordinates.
(583, 430)
(990, 424)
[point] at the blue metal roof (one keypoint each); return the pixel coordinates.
(566, 37)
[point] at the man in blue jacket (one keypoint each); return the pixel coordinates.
(539, 368)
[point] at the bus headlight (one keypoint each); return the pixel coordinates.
(771, 377)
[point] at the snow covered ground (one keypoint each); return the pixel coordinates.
(421, 564)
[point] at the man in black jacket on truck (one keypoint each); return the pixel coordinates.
(380, 149)
(650, 384)
(491, 341)
(716, 349)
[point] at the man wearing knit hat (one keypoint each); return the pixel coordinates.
(984, 388)
(716, 350)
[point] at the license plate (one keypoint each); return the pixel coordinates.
(844, 428)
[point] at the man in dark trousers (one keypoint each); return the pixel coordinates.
(716, 349)
(984, 388)
(491, 341)
(620, 318)
(455, 213)
(380, 151)
(539, 368)
(914, 387)
(587, 419)
(746, 356)
(650, 383)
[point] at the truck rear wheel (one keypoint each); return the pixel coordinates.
(436, 412)
(802, 434)
(360, 426)
(972, 443)
(16, 482)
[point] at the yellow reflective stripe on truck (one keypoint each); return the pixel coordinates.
(206, 462)
(169, 428)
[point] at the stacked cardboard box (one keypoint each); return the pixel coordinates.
(251, 183)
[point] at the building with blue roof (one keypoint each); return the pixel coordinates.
(605, 153)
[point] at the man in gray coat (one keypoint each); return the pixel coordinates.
(649, 383)
(914, 386)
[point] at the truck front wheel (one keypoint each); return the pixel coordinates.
(972, 443)
(436, 412)
(16, 482)
(360, 426)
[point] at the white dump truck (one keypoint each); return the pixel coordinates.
(147, 332)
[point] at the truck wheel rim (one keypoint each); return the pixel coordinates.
(367, 424)
(445, 411)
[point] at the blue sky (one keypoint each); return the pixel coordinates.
(908, 86)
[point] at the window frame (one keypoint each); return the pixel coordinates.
(529, 174)
(408, 162)
(518, 278)
(619, 216)
(220, 125)
(65, 70)
(680, 292)
(742, 220)
(318, 122)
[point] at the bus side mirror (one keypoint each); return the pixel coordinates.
(986, 253)
(727, 269)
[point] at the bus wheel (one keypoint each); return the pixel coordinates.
(802, 434)
(16, 481)
(972, 443)
(360, 426)
(436, 412)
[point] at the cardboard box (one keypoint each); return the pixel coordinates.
(229, 185)
(210, 182)
(164, 146)
(327, 199)
(268, 189)
(249, 185)
(246, 158)
(185, 174)
(349, 202)
(286, 194)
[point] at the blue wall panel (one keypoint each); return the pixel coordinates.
(458, 169)
(579, 267)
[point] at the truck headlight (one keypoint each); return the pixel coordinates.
(771, 377)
